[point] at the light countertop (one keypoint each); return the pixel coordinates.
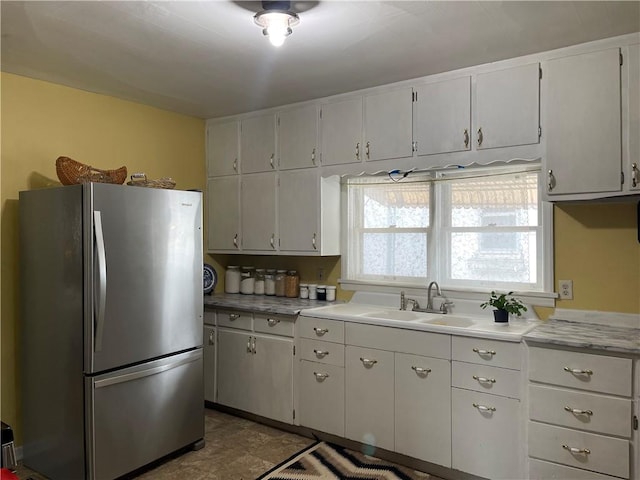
(262, 303)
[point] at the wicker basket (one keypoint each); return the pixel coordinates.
(140, 180)
(71, 172)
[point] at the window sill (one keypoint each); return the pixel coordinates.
(538, 299)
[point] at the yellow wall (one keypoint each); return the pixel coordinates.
(596, 246)
(41, 121)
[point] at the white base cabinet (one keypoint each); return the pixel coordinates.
(423, 408)
(369, 396)
(255, 369)
(209, 363)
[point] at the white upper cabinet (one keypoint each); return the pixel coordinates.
(222, 148)
(582, 124)
(507, 107)
(443, 116)
(342, 132)
(309, 213)
(388, 124)
(258, 143)
(223, 214)
(633, 161)
(298, 137)
(258, 207)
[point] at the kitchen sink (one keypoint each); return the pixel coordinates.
(450, 321)
(405, 315)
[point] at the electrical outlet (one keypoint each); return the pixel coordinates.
(321, 274)
(566, 289)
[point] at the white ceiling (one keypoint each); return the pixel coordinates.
(208, 59)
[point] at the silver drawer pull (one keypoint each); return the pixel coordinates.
(480, 351)
(484, 408)
(321, 376)
(577, 411)
(583, 451)
(320, 353)
(420, 370)
(234, 316)
(273, 321)
(484, 379)
(578, 371)
(368, 362)
(320, 331)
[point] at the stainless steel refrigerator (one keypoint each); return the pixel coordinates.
(111, 326)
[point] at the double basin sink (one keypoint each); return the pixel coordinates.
(473, 325)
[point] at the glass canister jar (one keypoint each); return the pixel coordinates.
(270, 282)
(291, 284)
(280, 286)
(258, 287)
(247, 280)
(232, 279)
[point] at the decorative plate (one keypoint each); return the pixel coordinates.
(210, 278)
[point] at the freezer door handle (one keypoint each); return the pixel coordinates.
(100, 288)
(127, 377)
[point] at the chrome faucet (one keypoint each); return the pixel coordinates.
(429, 297)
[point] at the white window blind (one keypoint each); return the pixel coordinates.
(463, 229)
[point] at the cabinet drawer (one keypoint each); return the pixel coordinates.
(541, 470)
(321, 329)
(586, 371)
(586, 411)
(322, 352)
(487, 352)
(398, 340)
(485, 435)
(322, 397)
(233, 319)
(209, 317)
(274, 324)
(605, 454)
(482, 378)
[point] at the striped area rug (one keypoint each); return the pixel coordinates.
(325, 461)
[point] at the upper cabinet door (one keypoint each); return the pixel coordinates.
(443, 116)
(222, 148)
(298, 137)
(582, 123)
(507, 107)
(342, 132)
(633, 163)
(298, 211)
(388, 124)
(223, 213)
(258, 204)
(258, 143)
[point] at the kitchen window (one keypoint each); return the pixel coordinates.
(467, 229)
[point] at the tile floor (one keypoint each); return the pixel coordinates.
(235, 449)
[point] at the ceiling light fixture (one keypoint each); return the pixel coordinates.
(276, 21)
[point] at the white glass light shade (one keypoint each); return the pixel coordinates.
(276, 24)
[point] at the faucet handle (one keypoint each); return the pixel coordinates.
(444, 306)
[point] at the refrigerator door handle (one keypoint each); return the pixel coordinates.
(127, 377)
(100, 292)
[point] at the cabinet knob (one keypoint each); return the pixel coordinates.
(313, 156)
(320, 331)
(581, 451)
(211, 339)
(577, 411)
(578, 371)
(320, 353)
(484, 408)
(480, 136)
(466, 138)
(272, 322)
(367, 362)
(235, 240)
(634, 174)
(482, 352)
(271, 161)
(551, 180)
(272, 241)
(233, 316)
(358, 151)
(484, 379)
(321, 376)
(313, 242)
(235, 165)
(366, 150)
(420, 370)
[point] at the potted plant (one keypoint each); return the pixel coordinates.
(504, 304)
